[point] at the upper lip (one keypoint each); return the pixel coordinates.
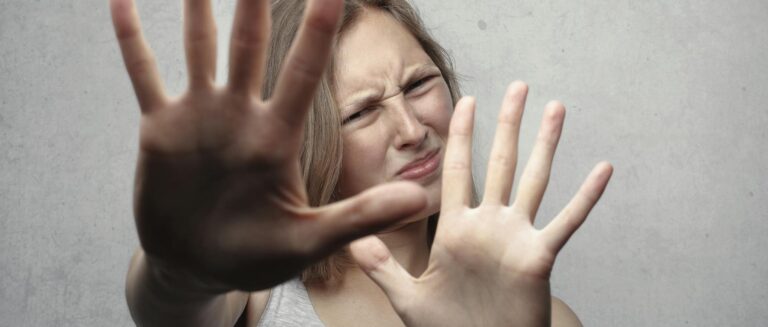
(418, 161)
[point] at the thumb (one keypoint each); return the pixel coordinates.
(368, 212)
(377, 262)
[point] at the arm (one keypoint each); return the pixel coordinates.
(219, 197)
(155, 300)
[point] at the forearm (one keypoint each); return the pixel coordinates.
(155, 300)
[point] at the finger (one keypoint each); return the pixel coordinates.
(535, 177)
(457, 167)
(138, 58)
(557, 233)
(377, 262)
(248, 46)
(366, 213)
(306, 61)
(503, 160)
(200, 43)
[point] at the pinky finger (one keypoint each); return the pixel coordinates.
(137, 55)
(557, 233)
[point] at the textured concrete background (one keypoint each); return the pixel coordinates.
(673, 93)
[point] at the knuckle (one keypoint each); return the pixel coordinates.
(140, 66)
(322, 23)
(457, 164)
(304, 70)
(509, 118)
(504, 160)
(244, 37)
(196, 36)
(126, 33)
(461, 132)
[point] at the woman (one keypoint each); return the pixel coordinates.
(226, 175)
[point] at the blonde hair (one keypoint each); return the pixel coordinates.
(322, 144)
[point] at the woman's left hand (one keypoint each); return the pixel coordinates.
(489, 266)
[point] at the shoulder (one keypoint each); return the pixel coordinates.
(254, 309)
(562, 315)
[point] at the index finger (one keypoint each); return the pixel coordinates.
(137, 55)
(306, 61)
(457, 166)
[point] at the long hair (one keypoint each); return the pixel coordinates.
(322, 144)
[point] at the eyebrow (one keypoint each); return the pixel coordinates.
(371, 95)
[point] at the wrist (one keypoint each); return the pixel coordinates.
(174, 281)
(157, 296)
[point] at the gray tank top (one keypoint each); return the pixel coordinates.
(289, 306)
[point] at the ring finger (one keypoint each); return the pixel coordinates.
(535, 177)
(503, 161)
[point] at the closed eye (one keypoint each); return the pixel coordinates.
(359, 114)
(417, 84)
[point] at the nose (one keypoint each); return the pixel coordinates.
(410, 132)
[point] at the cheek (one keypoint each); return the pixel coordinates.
(435, 109)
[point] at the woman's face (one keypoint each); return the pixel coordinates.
(395, 106)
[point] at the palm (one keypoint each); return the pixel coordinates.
(213, 173)
(488, 266)
(495, 238)
(219, 194)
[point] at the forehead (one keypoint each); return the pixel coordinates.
(375, 50)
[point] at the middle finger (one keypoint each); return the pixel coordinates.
(248, 46)
(200, 42)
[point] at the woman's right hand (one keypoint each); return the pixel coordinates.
(219, 195)
(489, 265)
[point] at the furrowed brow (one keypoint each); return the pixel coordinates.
(369, 96)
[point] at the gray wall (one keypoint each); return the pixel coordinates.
(673, 93)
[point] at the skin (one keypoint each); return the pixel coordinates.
(222, 214)
(396, 106)
(405, 114)
(409, 114)
(220, 209)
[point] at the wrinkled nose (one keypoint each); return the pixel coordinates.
(411, 133)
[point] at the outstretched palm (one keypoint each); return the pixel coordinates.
(219, 195)
(488, 266)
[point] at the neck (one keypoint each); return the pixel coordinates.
(408, 245)
(356, 295)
